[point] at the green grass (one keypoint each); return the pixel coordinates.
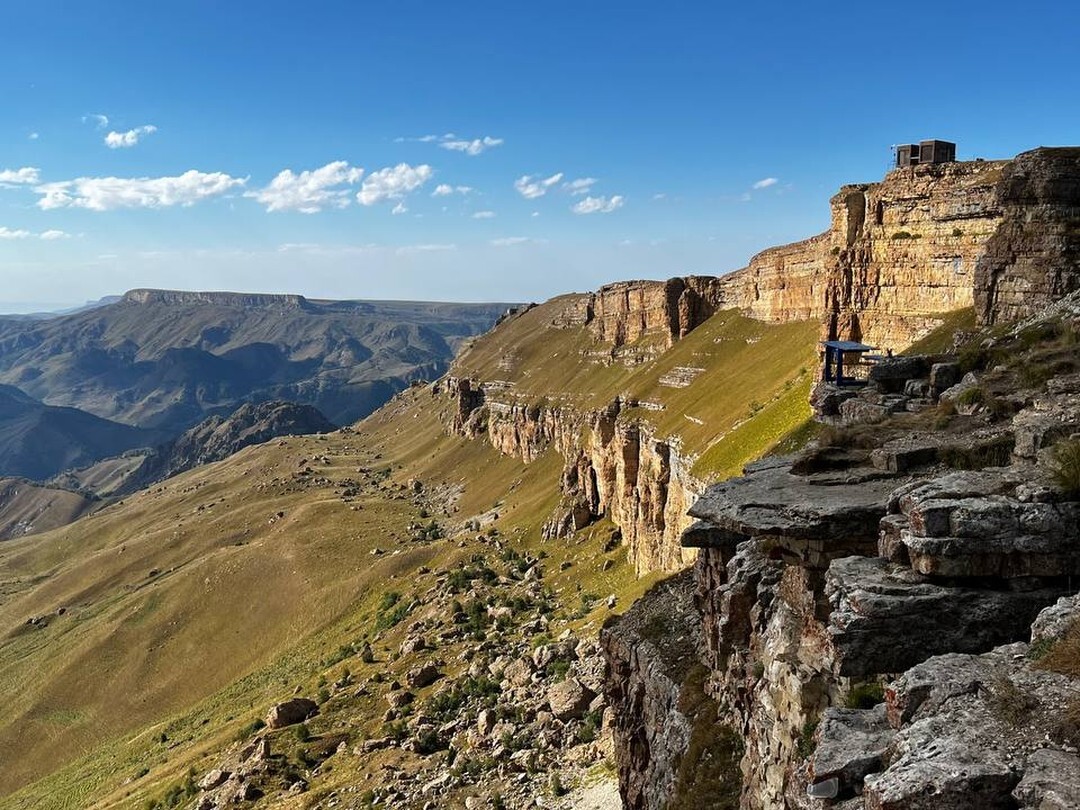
(941, 339)
(768, 428)
(246, 605)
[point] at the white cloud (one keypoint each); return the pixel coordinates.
(424, 248)
(449, 140)
(125, 140)
(579, 186)
(17, 177)
(400, 208)
(100, 120)
(473, 147)
(48, 236)
(484, 215)
(33, 136)
(445, 190)
(598, 205)
(765, 183)
(510, 241)
(660, 195)
(532, 186)
(309, 191)
(109, 193)
(393, 182)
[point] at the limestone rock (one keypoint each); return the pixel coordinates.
(423, 675)
(886, 617)
(1032, 258)
(935, 770)
(852, 743)
(570, 699)
(1051, 781)
(290, 712)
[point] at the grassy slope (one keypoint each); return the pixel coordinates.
(752, 391)
(244, 608)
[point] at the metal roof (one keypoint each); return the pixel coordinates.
(847, 345)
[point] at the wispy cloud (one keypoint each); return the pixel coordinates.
(110, 193)
(484, 215)
(100, 120)
(469, 146)
(511, 241)
(393, 182)
(449, 136)
(19, 177)
(309, 191)
(473, 147)
(47, 236)
(430, 248)
(33, 136)
(445, 190)
(765, 183)
(532, 186)
(579, 186)
(400, 208)
(599, 205)
(126, 140)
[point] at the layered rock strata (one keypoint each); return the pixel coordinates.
(1033, 256)
(819, 578)
(613, 467)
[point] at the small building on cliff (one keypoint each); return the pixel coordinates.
(932, 151)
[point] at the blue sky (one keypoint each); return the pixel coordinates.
(482, 150)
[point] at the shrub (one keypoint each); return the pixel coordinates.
(902, 235)
(957, 232)
(556, 786)
(391, 610)
(1008, 702)
(805, 746)
(1066, 466)
(865, 695)
(302, 733)
(972, 396)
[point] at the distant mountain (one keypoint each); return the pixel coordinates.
(166, 360)
(217, 438)
(47, 314)
(37, 441)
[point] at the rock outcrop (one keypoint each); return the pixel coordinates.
(613, 466)
(898, 252)
(930, 551)
(1033, 257)
(218, 437)
(622, 313)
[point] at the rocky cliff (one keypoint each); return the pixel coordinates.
(1033, 256)
(926, 544)
(612, 466)
(1002, 235)
(898, 252)
(218, 437)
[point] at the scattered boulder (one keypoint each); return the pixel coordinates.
(423, 675)
(570, 699)
(293, 711)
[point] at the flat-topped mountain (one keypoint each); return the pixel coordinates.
(168, 359)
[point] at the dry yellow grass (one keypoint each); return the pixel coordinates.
(245, 605)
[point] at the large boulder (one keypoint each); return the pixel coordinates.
(570, 699)
(293, 711)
